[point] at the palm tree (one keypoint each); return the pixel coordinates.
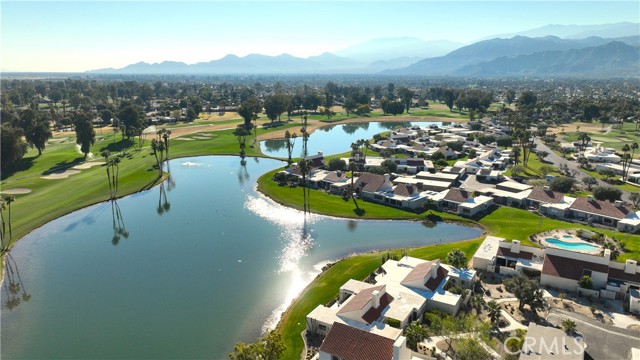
(290, 140)
(457, 258)
(165, 137)
(633, 148)
(2, 207)
(569, 326)
(9, 199)
(415, 333)
(477, 302)
(305, 166)
(494, 311)
(107, 163)
(626, 160)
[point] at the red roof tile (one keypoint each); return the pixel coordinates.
(521, 255)
(457, 195)
(545, 196)
(433, 283)
(360, 300)
(349, 343)
(419, 272)
(403, 190)
(374, 313)
(619, 274)
(370, 182)
(598, 207)
(569, 268)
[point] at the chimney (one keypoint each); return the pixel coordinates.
(607, 254)
(515, 246)
(630, 266)
(433, 272)
(320, 153)
(590, 198)
(357, 158)
(375, 295)
(386, 178)
(618, 203)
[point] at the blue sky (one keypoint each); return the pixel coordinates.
(84, 35)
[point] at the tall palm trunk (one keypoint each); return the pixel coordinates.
(109, 179)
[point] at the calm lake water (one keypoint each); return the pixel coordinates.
(206, 262)
(334, 139)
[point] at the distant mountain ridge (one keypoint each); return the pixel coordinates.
(388, 49)
(488, 50)
(614, 30)
(518, 55)
(614, 59)
(253, 63)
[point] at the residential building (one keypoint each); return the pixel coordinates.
(614, 214)
(463, 203)
(344, 342)
(402, 291)
(559, 268)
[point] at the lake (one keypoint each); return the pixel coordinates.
(333, 139)
(183, 270)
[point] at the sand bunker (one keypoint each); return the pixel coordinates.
(201, 137)
(16, 191)
(88, 165)
(61, 175)
(183, 138)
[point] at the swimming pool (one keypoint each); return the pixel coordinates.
(571, 245)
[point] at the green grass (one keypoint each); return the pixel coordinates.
(615, 139)
(438, 112)
(326, 286)
(333, 205)
(625, 186)
(51, 199)
(518, 224)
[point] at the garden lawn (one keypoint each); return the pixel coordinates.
(327, 285)
(518, 224)
(333, 205)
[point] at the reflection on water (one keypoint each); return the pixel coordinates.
(223, 248)
(334, 139)
(163, 202)
(14, 289)
(352, 128)
(119, 228)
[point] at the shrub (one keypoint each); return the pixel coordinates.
(562, 184)
(393, 323)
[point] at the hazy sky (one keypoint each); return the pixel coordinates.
(84, 35)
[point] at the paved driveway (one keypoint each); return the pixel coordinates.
(603, 341)
(556, 160)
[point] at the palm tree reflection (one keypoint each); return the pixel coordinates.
(15, 291)
(119, 229)
(163, 202)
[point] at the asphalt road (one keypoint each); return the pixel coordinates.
(604, 342)
(556, 160)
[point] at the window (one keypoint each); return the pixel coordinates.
(466, 211)
(322, 327)
(586, 272)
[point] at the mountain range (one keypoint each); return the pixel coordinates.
(518, 55)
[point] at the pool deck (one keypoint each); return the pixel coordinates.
(571, 238)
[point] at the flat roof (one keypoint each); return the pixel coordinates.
(489, 248)
(514, 185)
(425, 182)
(504, 193)
(438, 175)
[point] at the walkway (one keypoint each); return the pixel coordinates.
(557, 160)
